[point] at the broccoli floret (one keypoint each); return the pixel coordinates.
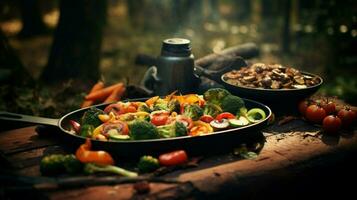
(212, 109)
(144, 108)
(141, 130)
(173, 106)
(160, 104)
(91, 168)
(193, 111)
(87, 130)
(172, 130)
(148, 164)
(232, 104)
(56, 164)
(72, 164)
(91, 117)
(215, 95)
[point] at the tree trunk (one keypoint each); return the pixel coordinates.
(75, 52)
(12, 71)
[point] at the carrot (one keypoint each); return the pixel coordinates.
(115, 95)
(98, 86)
(103, 93)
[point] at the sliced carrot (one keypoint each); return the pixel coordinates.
(98, 86)
(115, 95)
(103, 93)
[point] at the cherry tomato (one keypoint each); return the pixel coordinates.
(329, 108)
(159, 120)
(315, 114)
(173, 158)
(206, 118)
(347, 116)
(225, 115)
(331, 124)
(303, 106)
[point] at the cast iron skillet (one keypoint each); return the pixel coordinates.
(263, 95)
(214, 142)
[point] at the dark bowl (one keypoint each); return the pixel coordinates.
(274, 94)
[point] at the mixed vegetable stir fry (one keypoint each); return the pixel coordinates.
(171, 116)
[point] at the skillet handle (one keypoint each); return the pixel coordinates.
(217, 75)
(8, 116)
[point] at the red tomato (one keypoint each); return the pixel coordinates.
(159, 120)
(173, 158)
(225, 115)
(303, 106)
(206, 118)
(331, 124)
(315, 114)
(347, 116)
(329, 107)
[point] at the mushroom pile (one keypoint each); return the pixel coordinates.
(270, 76)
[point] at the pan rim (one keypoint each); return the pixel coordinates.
(63, 118)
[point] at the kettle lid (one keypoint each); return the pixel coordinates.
(176, 47)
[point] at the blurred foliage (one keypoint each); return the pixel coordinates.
(342, 87)
(46, 101)
(323, 37)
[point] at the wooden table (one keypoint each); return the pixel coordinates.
(295, 159)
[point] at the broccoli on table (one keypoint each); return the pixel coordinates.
(91, 117)
(141, 130)
(56, 164)
(172, 130)
(91, 168)
(148, 164)
(215, 95)
(193, 111)
(232, 104)
(211, 109)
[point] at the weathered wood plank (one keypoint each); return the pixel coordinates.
(23, 139)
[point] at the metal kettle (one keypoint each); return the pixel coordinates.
(174, 69)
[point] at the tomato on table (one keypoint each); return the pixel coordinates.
(173, 158)
(331, 124)
(303, 106)
(315, 114)
(347, 116)
(329, 107)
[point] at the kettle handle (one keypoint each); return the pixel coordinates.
(217, 75)
(150, 79)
